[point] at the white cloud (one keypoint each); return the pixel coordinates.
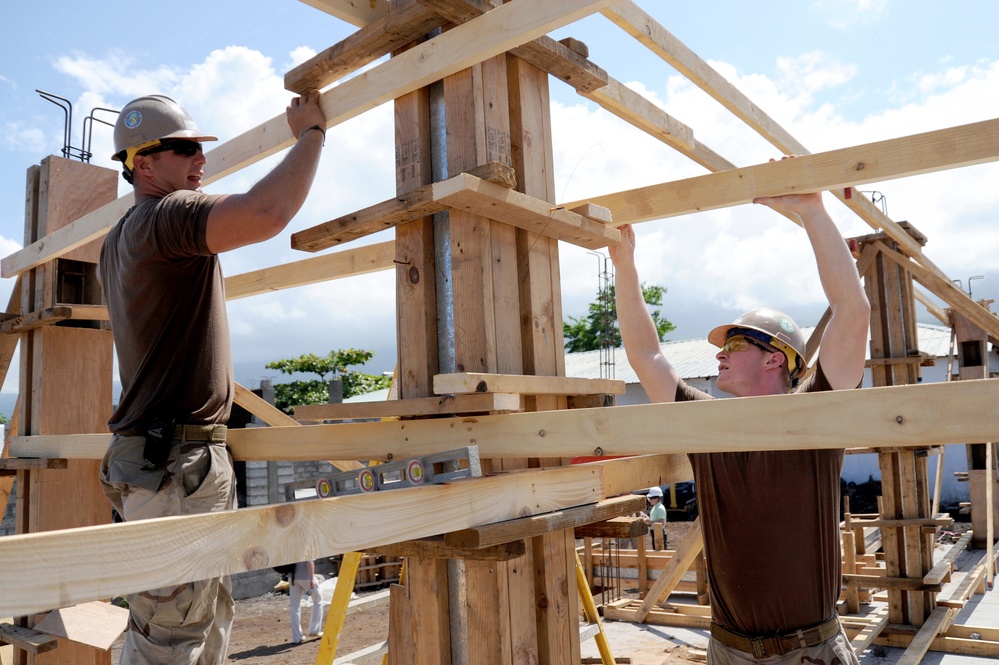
(845, 14)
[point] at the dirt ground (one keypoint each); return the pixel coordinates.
(261, 632)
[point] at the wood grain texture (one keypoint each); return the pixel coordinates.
(920, 415)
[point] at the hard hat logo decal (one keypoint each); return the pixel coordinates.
(786, 325)
(133, 119)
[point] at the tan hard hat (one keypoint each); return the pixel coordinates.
(146, 121)
(782, 331)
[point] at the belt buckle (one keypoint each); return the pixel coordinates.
(760, 645)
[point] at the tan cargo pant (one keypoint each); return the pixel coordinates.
(834, 651)
(187, 624)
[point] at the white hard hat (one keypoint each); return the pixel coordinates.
(655, 491)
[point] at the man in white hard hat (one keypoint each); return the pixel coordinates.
(656, 513)
(162, 282)
(770, 519)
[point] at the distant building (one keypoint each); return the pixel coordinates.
(695, 361)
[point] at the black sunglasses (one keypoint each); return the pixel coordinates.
(181, 147)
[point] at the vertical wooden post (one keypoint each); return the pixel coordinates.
(66, 369)
(972, 345)
(419, 613)
(505, 297)
(903, 474)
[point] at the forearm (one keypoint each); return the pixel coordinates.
(638, 330)
(836, 267)
(282, 192)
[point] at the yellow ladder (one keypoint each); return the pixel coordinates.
(590, 610)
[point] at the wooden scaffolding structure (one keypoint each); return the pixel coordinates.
(479, 315)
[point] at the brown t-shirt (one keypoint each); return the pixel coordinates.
(771, 532)
(166, 300)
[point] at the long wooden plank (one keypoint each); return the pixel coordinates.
(965, 145)
(384, 35)
(689, 548)
(919, 415)
(660, 41)
(436, 548)
(27, 639)
(493, 33)
(468, 193)
(97, 624)
(406, 207)
(477, 382)
(335, 265)
(355, 12)
(635, 109)
(85, 564)
(939, 618)
(876, 622)
(51, 315)
(977, 314)
(528, 527)
(422, 406)
(941, 570)
(481, 197)
(277, 418)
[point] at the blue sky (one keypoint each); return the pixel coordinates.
(834, 74)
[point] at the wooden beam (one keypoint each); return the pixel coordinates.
(97, 624)
(384, 35)
(876, 622)
(617, 527)
(355, 12)
(636, 110)
(649, 32)
(654, 36)
(975, 143)
(266, 411)
(939, 619)
(406, 207)
(468, 193)
(436, 548)
(884, 582)
(689, 548)
(523, 211)
(27, 639)
(85, 564)
(421, 406)
(277, 418)
(477, 382)
(932, 307)
(14, 463)
(494, 33)
(528, 527)
(335, 265)
(946, 290)
(907, 416)
(8, 343)
(942, 568)
(50, 315)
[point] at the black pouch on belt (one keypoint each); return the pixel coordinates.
(159, 436)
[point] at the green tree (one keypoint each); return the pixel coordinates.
(599, 326)
(316, 391)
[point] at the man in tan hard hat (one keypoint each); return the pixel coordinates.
(163, 286)
(770, 519)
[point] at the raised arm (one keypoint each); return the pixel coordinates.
(264, 211)
(638, 331)
(844, 341)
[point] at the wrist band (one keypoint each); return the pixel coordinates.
(309, 129)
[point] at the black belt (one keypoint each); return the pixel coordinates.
(209, 433)
(777, 645)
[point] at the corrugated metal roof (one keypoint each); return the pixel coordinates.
(695, 358)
